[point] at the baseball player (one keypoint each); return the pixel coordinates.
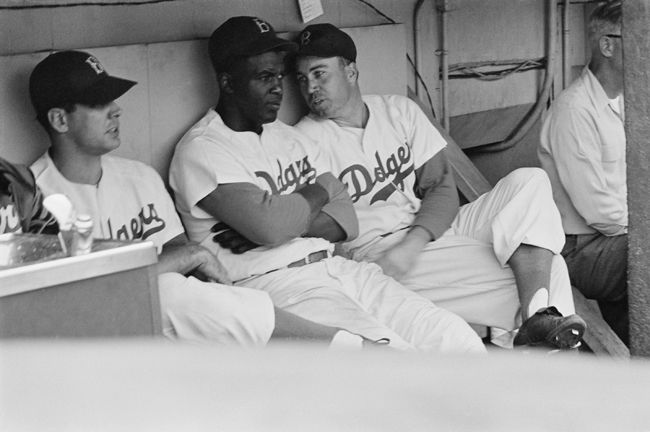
(488, 261)
(21, 202)
(245, 169)
(74, 99)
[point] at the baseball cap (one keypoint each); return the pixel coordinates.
(73, 77)
(325, 40)
(243, 36)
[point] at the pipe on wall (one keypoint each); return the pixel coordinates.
(566, 70)
(416, 12)
(443, 7)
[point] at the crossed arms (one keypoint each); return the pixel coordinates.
(251, 216)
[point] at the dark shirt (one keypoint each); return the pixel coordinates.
(21, 202)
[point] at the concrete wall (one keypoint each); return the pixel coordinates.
(478, 30)
(90, 26)
(176, 86)
(505, 30)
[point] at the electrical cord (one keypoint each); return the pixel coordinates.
(424, 85)
(386, 17)
(463, 71)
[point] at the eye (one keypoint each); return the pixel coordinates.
(319, 74)
(301, 79)
(266, 77)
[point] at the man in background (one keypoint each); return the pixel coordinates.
(582, 149)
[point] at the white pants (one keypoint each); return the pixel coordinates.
(359, 298)
(210, 312)
(466, 271)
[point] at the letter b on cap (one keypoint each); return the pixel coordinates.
(95, 65)
(263, 26)
(305, 38)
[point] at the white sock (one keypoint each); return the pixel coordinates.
(539, 301)
(345, 340)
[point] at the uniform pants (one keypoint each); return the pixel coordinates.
(359, 298)
(210, 312)
(465, 271)
(598, 268)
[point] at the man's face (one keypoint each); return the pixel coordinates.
(326, 84)
(618, 53)
(95, 129)
(258, 87)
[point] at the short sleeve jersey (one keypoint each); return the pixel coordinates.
(277, 161)
(378, 163)
(130, 201)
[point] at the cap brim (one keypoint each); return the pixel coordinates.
(266, 45)
(104, 91)
(314, 50)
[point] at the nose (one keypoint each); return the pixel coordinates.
(277, 85)
(312, 85)
(115, 110)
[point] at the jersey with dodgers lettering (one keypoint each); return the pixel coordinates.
(277, 161)
(377, 163)
(130, 201)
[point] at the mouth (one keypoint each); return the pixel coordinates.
(114, 131)
(316, 101)
(275, 104)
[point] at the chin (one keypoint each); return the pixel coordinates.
(270, 117)
(320, 111)
(113, 145)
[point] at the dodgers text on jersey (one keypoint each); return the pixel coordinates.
(361, 182)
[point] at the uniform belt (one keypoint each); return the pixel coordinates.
(311, 258)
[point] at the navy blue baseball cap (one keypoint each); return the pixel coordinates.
(244, 36)
(73, 77)
(325, 40)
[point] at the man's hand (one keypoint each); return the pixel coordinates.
(230, 239)
(398, 261)
(209, 269)
(180, 256)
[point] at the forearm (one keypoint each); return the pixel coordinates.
(439, 197)
(324, 226)
(416, 239)
(261, 217)
(398, 260)
(337, 221)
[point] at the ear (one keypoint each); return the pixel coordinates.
(606, 46)
(225, 83)
(351, 72)
(58, 119)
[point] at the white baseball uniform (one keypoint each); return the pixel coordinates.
(129, 203)
(465, 270)
(334, 291)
